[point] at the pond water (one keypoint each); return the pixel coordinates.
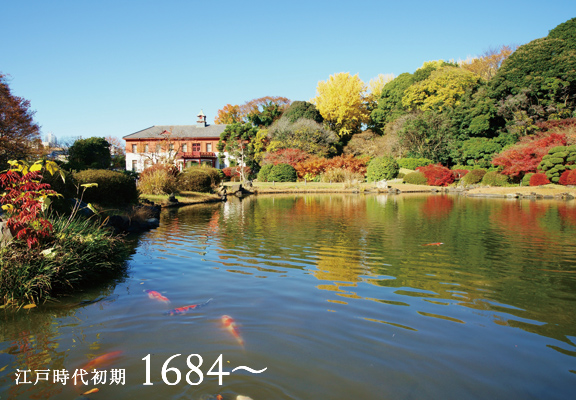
(333, 297)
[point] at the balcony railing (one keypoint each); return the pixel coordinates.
(198, 154)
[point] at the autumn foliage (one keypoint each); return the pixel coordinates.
(286, 156)
(568, 177)
(539, 179)
(437, 175)
(23, 199)
(527, 154)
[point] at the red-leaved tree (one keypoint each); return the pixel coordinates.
(286, 156)
(568, 177)
(539, 179)
(437, 175)
(526, 155)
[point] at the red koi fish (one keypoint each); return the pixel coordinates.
(157, 296)
(185, 309)
(433, 244)
(231, 327)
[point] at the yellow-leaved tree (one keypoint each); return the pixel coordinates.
(341, 101)
(442, 89)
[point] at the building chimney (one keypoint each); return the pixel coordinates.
(201, 123)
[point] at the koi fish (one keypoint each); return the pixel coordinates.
(433, 244)
(156, 295)
(231, 326)
(185, 309)
(105, 359)
(95, 390)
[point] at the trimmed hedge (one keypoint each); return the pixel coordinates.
(473, 177)
(416, 178)
(194, 180)
(526, 179)
(494, 178)
(114, 188)
(382, 168)
(264, 172)
(283, 173)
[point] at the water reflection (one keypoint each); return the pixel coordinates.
(338, 296)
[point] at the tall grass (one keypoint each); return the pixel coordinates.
(80, 252)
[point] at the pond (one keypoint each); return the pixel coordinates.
(332, 297)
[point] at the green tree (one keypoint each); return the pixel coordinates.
(303, 109)
(19, 134)
(427, 134)
(91, 153)
(304, 134)
(544, 70)
(390, 102)
(270, 113)
(237, 141)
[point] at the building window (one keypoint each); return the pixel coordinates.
(134, 164)
(134, 148)
(158, 147)
(171, 147)
(208, 146)
(185, 147)
(195, 146)
(146, 149)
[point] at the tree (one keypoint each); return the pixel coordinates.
(236, 140)
(304, 134)
(389, 105)
(441, 90)
(228, 114)
(544, 70)
(341, 101)
(369, 144)
(19, 134)
(302, 109)
(91, 153)
(117, 152)
(527, 154)
(270, 113)
(488, 63)
(427, 134)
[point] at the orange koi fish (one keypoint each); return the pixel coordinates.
(95, 390)
(156, 295)
(105, 359)
(231, 326)
(185, 309)
(433, 244)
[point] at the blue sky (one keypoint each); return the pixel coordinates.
(99, 68)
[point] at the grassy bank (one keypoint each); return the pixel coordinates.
(79, 252)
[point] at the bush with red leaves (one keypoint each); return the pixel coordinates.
(231, 172)
(24, 195)
(539, 179)
(437, 175)
(568, 177)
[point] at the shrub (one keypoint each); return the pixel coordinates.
(282, 173)
(494, 178)
(114, 188)
(382, 168)
(413, 163)
(526, 179)
(340, 175)
(159, 181)
(213, 173)
(286, 156)
(568, 177)
(459, 173)
(473, 177)
(194, 180)
(416, 178)
(234, 172)
(168, 168)
(265, 172)
(437, 175)
(539, 179)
